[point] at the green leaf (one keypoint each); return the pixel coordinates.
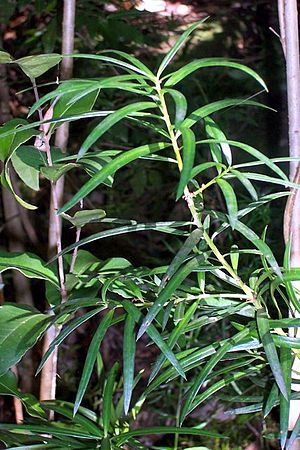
(213, 107)
(20, 328)
(202, 376)
(91, 358)
(204, 166)
(65, 333)
(136, 62)
(260, 244)
(289, 286)
(27, 172)
(155, 336)
(108, 398)
(181, 255)
(294, 435)
(166, 294)
(111, 120)
(123, 437)
(170, 55)
(271, 400)
(54, 172)
(270, 350)
(163, 227)
(36, 65)
(286, 365)
(215, 132)
(85, 216)
(5, 58)
(175, 77)
(29, 264)
(174, 336)
(180, 106)
(189, 148)
(8, 386)
(245, 182)
(230, 199)
(111, 168)
(128, 360)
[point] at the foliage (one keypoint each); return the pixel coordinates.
(174, 305)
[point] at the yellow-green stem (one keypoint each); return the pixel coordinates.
(189, 198)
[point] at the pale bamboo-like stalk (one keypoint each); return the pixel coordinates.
(48, 375)
(288, 20)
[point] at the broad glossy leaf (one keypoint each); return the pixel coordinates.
(128, 360)
(85, 216)
(180, 42)
(36, 65)
(230, 199)
(28, 173)
(108, 398)
(5, 58)
(155, 336)
(202, 376)
(91, 357)
(111, 120)
(189, 68)
(67, 330)
(29, 264)
(9, 386)
(111, 168)
(188, 149)
(54, 172)
(270, 350)
(20, 328)
(166, 294)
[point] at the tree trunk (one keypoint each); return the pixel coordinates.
(48, 376)
(288, 19)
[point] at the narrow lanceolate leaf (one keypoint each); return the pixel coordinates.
(20, 328)
(123, 438)
(174, 336)
(111, 168)
(213, 107)
(136, 62)
(128, 360)
(108, 398)
(180, 106)
(111, 120)
(294, 435)
(29, 265)
(245, 182)
(200, 379)
(155, 336)
(166, 294)
(65, 333)
(272, 400)
(286, 365)
(181, 255)
(260, 244)
(270, 350)
(189, 148)
(230, 199)
(91, 358)
(215, 132)
(186, 70)
(180, 42)
(163, 227)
